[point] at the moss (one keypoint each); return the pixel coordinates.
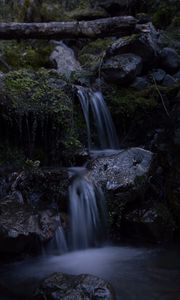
(91, 54)
(52, 12)
(127, 102)
(26, 54)
(164, 15)
(11, 156)
(37, 98)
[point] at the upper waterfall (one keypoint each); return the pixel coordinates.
(92, 103)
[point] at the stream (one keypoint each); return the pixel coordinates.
(135, 272)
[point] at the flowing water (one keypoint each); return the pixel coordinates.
(87, 213)
(135, 273)
(93, 101)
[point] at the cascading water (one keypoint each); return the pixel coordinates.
(107, 137)
(87, 211)
(58, 244)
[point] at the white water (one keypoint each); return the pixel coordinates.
(94, 102)
(135, 273)
(87, 213)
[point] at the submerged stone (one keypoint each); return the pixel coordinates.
(77, 287)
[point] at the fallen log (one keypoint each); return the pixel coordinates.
(69, 30)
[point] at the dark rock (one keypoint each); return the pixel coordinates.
(169, 81)
(170, 60)
(121, 171)
(158, 75)
(122, 68)
(140, 83)
(149, 223)
(22, 230)
(78, 287)
(177, 76)
(177, 136)
(144, 45)
(117, 7)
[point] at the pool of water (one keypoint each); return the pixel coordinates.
(136, 273)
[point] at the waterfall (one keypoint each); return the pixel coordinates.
(58, 244)
(87, 211)
(94, 102)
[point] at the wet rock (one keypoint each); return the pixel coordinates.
(169, 81)
(170, 60)
(140, 83)
(22, 229)
(121, 171)
(122, 68)
(64, 59)
(177, 76)
(143, 45)
(77, 287)
(158, 75)
(149, 223)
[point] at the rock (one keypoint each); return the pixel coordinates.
(170, 60)
(122, 68)
(169, 81)
(65, 60)
(143, 45)
(149, 223)
(116, 7)
(140, 83)
(158, 75)
(121, 171)
(177, 76)
(177, 136)
(78, 287)
(22, 230)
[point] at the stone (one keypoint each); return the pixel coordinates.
(140, 83)
(170, 60)
(177, 76)
(64, 59)
(144, 45)
(121, 171)
(158, 75)
(22, 229)
(177, 136)
(78, 287)
(169, 81)
(122, 68)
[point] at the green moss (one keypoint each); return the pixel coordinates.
(128, 103)
(39, 98)
(25, 54)
(164, 15)
(91, 54)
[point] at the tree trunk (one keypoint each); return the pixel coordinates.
(69, 30)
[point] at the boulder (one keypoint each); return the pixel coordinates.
(22, 229)
(144, 45)
(122, 68)
(121, 171)
(140, 83)
(170, 60)
(158, 75)
(77, 287)
(169, 81)
(177, 76)
(64, 59)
